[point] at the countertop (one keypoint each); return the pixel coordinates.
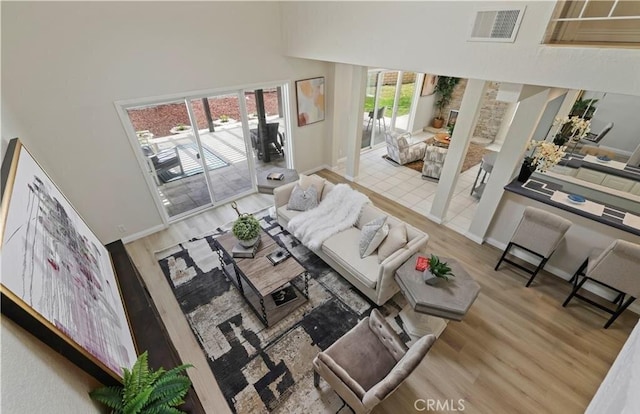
(542, 191)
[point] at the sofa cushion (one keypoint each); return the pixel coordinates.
(395, 240)
(303, 200)
(368, 213)
(372, 234)
(286, 213)
(343, 248)
(307, 181)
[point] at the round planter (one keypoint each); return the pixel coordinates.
(250, 242)
(437, 122)
(175, 130)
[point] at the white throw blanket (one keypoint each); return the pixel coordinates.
(337, 212)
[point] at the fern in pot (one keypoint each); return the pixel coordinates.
(145, 391)
(246, 229)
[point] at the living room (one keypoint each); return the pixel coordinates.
(75, 60)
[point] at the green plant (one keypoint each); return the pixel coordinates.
(439, 269)
(450, 128)
(444, 87)
(581, 106)
(146, 391)
(182, 127)
(246, 227)
(224, 118)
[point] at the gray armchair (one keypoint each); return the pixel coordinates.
(402, 148)
(368, 363)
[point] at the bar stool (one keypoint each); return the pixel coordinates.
(486, 165)
(539, 233)
(618, 268)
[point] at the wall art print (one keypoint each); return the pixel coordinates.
(57, 273)
(310, 100)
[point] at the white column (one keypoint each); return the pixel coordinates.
(509, 159)
(506, 123)
(348, 103)
(469, 111)
(565, 108)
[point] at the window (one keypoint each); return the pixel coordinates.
(595, 22)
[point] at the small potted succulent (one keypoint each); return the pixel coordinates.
(224, 118)
(436, 270)
(246, 229)
(180, 128)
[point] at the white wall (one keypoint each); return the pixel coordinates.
(431, 37)
(623, 111)
(64, 64)
(35, 379)
(425, 111)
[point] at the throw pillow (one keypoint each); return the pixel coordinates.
(307, 181)
(395, 241)
(303, 200)
(373, 233)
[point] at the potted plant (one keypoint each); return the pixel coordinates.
(246, 229)
(444, 87)
(180, 128)
(574, 128)
(584, 108)
(436, 270)
(224, 118)
(544, 155)
(146, 391)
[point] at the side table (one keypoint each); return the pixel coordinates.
(266, 186)
(430, 307)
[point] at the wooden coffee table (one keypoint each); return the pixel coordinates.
(257, 279)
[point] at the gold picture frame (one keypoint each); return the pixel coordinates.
(58, 281)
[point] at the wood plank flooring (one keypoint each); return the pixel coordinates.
(517, 350)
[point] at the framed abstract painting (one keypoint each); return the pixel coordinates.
(58, 281)
(310, 100)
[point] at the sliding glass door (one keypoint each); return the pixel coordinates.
(171, 153)
(388, 102)
(203, 150)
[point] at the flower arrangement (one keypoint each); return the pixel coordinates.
(544, 155)
(574, 129)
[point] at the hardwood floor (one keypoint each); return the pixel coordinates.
(517, 350)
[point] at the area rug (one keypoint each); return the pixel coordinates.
(474, 156)
(191, 165)
(258, 369)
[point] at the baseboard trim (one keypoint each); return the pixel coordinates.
(591, 287)
(474, 238)
(433, 218)
(143, 233)
(316, 169)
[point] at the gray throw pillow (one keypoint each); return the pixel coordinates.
(372, 234)
(303, 200)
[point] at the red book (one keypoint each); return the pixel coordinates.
(422, 263)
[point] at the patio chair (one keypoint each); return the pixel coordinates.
(162, 162)
(273, 142)
(378, 117)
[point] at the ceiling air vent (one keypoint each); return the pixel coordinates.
(496, 25)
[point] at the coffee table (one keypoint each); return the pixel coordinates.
(257, 279)
(430, 307)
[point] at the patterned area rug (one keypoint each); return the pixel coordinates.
(260, 369)
(474, 156)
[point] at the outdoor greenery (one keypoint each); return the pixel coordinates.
(246, 227)
(387, 95)
(439, 269)
(445, 87)
(145, 391)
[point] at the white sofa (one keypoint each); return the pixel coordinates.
(341, 251)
